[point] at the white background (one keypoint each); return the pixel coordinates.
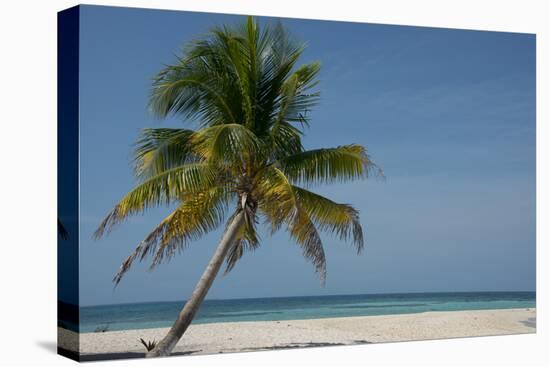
(28, 181)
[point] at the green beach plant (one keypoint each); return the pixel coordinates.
(245, 162)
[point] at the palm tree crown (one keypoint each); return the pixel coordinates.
(250, 99)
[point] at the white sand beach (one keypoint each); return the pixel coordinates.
(264, 335)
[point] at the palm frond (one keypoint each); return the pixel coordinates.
(231, 143)
(284, 140)
(162, 189)
(343, 163)
(238, 75)
(340, 219)
(277, 64)
(303, 230)
(272, 186)
(199, 214)
(161, 149)
(276, 188)
(295, 102)
(247, 240)
(207, 83)
(191, 92)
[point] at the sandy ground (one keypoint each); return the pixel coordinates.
(263, 335)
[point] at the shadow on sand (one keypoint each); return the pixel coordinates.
(304, 345)
(530, 322)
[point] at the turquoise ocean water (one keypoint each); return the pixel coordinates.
(162, 314)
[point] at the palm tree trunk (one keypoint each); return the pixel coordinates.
(165, 346)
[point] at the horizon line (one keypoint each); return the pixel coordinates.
(305, 296)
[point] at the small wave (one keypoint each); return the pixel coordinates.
(239, 314)
(383, 306)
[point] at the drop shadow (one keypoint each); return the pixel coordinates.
(124, 355)
(48, 345)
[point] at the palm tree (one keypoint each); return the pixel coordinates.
(245, 160)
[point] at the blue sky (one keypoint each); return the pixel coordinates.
(448, 114)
